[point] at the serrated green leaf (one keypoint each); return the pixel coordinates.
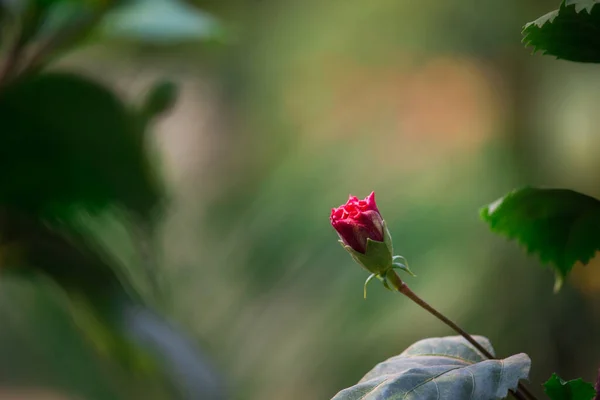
(580, 5)
(576, 389)
(561, 226)
(67, 141)
(569, 33)
(436, 368)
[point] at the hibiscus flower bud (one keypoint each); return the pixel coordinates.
(363, 233)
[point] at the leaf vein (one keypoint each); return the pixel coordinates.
(433, 378)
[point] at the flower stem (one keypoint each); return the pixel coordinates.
(394, 280)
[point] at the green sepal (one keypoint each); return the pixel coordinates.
(404, 268)
(367, 283)
(402, 265)
(377, 258)
(387, 238)
(384, 280)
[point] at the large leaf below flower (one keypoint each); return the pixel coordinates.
(569, 33)
(441, 368)
(561, 226)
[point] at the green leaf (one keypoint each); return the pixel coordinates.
(576, 389)
(159, 22)
(104, 304)
(569, 33)
(448, 367)
(68, 142)
(160, 98)
(561, 226)
(580, 5)
(64, 13)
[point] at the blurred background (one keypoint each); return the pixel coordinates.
(436, 106)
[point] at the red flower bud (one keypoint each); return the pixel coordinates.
(365, 236)
(358, 220)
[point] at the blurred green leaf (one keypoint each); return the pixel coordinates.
(64, 13)
(576, 389)
(160, 98)
(159, 22)
(569, 33)
(68, 142)
(104, 305)
(561, 226)
(448, 365)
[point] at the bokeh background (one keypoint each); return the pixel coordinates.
(436, 106)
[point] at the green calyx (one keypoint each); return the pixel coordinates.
(384, 277)
(378, 259)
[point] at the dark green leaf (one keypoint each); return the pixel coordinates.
(160, 98)
(569, 33)
(435, 368)
(580, 5)
(576, 389)
(561, 226)
(67, 142)
(65, 13)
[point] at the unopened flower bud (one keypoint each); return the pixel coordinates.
(363, 233)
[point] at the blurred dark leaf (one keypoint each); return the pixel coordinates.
(576, 389)
(569, 33)
(105, 306)
(160, 98)
(65, 24)
(159, 22)
(448, 365)
(561, 226)
(13, 7)
(66, 12)
(68, 142)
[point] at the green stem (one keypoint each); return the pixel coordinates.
(394, 280)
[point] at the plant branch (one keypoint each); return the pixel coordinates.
(62, 38)
(12, 57)
(394, 280)
(66, 36)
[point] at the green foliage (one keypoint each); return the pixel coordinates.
(568, 33)
(576, 389)
(448, 367)
(160, 98)
(68, 142)
(69, 146)
(70, 152)
(561, 226)
(65, 13)
(580, 5)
